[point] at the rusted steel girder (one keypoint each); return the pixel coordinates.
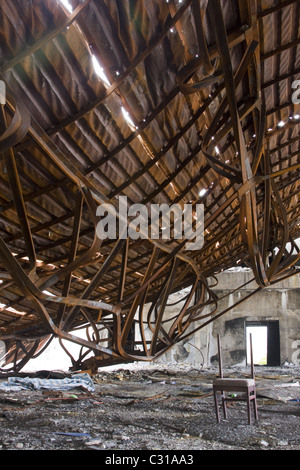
(125, 285)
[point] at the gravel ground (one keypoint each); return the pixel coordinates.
(153, 409)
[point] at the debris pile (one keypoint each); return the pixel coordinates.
(151, 408)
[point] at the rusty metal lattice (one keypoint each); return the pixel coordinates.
(209, 91)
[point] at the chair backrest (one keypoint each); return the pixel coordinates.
(220, 357)
(251, 358)
(221, 362)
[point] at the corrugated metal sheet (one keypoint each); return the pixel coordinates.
(171, 65)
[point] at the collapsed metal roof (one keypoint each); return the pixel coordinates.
(161, 101)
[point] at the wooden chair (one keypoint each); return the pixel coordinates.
(245, 386)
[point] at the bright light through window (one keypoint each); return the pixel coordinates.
(99, 70)
(67, 5)
(259, 344)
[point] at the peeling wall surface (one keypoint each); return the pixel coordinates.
(280, 302)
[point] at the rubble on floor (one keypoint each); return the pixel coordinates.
(151, 408)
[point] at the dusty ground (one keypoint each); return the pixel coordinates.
(153, 408)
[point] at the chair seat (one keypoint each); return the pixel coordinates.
(233, 382)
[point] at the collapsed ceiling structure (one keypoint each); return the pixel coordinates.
(186, 102)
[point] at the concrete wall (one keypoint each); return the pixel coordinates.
(279, 302)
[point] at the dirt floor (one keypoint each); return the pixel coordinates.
(153, 408)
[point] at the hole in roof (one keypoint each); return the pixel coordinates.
(128, 118)
(99, 70)
(67, 5)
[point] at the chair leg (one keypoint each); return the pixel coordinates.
(255, 408)
(224, 405)
(249, 398)
(249, 406)
(216, 406)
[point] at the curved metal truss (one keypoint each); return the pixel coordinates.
(189, 102)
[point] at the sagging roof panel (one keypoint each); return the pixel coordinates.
(162, 102)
